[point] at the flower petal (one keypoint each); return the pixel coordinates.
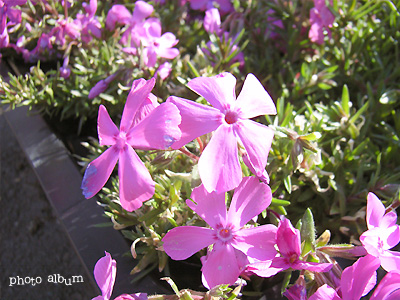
(257, 140)
(219, 90)
(219, 166)
(117, 14)
(325, 292)
(254, 100)
(197, 120)
(390, 260)
(158, 130)
(389, 220)
(311, 266)
(375, 211)
(167, 40)
(141, 11)
(182, 242)
(355, 286)
(388, 288)
(209, 206)
(257, 242)
(221, 266)
(135, 182)
(138, 94)
(98, 172)
(169, 53)
(105, 272)
(147, 107)
(288, 239)
(250, 198)
(265, 268)
(106, 128)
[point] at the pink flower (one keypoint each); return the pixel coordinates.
(101, 86)
(383, 234)
(65, 70)
(212, 21)
(320, 18)
(224, 5)
(90, 25)
(289, 245)
(388, 288)
(231, 241)
(219, 165)
(105, 272)
(164, 70)
(120, 14)
(157, 130)
(6, 11)
(356, 281)
(154, 44)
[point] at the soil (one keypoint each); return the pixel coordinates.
(33, 242)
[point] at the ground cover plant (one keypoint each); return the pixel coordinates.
(258, 139)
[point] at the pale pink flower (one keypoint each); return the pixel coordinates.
(156, 130)
(383, 234)
(212, 21)
(289, 245)
(230, 240)
(164, 70)
(230, 118)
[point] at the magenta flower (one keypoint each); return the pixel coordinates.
(164, 70)
(219, 165)
(356, 281)
(121, 15)
(157, 130)
(105, 272)
(383, 234)
(100, 86)
(289, 245)
(212, 21)
(65, 70)
(90, 25)
(14, 15)
(224, 5)
(230, 240)
(148, 35)
(388, 288)
(321, 18)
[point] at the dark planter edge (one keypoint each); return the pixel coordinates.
(60, 180)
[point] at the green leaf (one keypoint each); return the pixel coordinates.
(308, 232)
(288, 184)
(345, 100)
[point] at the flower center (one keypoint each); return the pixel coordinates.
(224, 234)
(293, 258)
(121, 140)
(231, 117)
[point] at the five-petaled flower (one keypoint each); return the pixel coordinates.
(157, 129)
(219, 165)
(383, 234)
(289, 245)
(230, 240)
